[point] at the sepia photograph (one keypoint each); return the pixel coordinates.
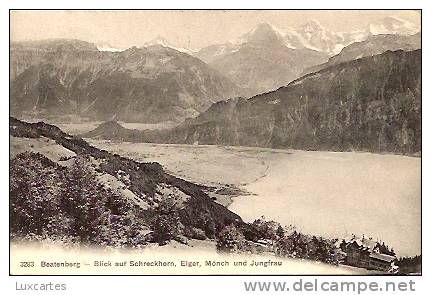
(215, 142)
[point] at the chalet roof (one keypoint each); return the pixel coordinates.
(382, 257)
(365, 244)
(368, 244)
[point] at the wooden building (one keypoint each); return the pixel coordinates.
(369, 254)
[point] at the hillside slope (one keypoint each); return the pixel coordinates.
(83, 174)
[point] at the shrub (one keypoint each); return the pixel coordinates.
(298, 245)
(194, 233)
(293, 245)
(165, 228)
(269, 230)
(280, 231)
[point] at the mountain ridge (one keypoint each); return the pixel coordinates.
(372, 104)
(371, 46)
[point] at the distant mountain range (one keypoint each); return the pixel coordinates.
(368, 104)
(313, 35)
(157, 82)
(149, 84)
(261, 61)
(266, 57)
(371, 46)
(159, 40)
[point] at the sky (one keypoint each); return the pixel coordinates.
(189, 29)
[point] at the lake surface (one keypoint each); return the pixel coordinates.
(337, 194)
(333, 194)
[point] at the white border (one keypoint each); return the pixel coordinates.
(193, 285)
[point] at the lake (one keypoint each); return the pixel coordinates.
(333, 194)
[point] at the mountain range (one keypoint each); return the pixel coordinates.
(373, 45)
(157, 82)
(267, 57)
(149, 84)
(368, 104)
(262, 61)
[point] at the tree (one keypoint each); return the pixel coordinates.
(266, 229)
(84, 199)
(166, 225)
(293, 245)
(33, 199)
(280, 231)
(48, 200)
(230, 239)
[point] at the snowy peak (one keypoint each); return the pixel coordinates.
(314, 36)
(393, 25)
(108, 47)
(161, 41)
(311, 35)
(312, 27)
(262, 33)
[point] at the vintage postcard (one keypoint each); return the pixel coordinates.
(215, 142)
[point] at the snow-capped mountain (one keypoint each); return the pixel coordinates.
(311, 35)
(159, 40)
(314, 36)
(260, 60)
(108, 47)
(393, 25)
(263, 32)
(267, 57)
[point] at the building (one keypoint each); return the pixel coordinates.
(367, 253)
(382, 262)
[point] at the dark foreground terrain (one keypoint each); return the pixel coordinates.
(67, 199)
(95, 197)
